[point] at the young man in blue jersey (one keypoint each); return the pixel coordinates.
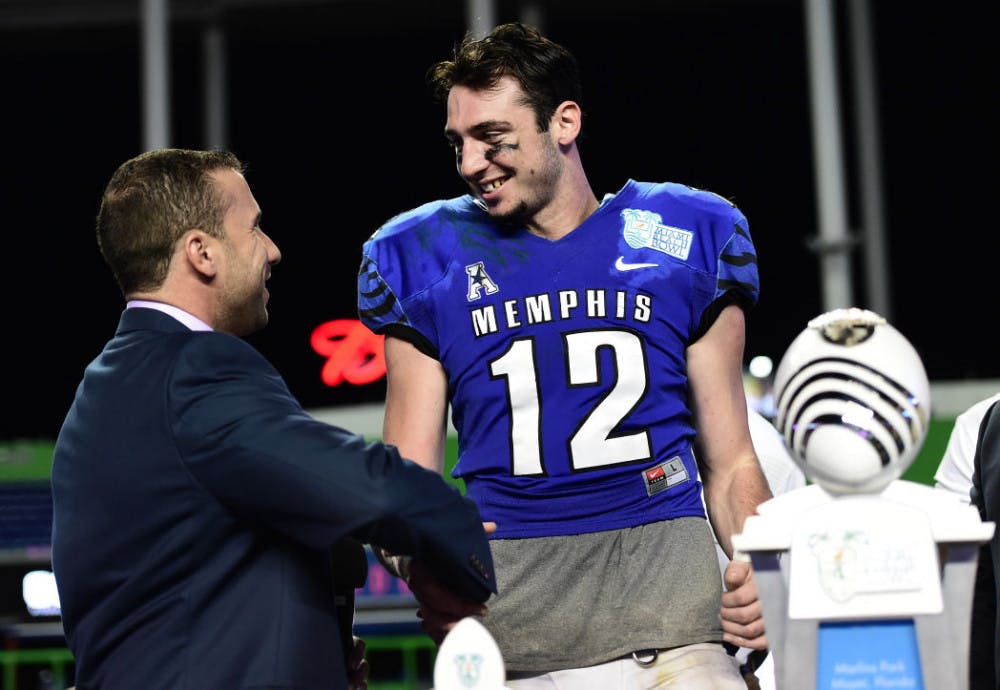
(590, 351)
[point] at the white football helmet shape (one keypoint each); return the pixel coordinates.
(853, 401)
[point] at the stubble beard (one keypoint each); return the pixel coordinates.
(544, 182)
(243, 312)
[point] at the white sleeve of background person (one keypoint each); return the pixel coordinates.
(782, 474)
(954, 473)
(780, 469)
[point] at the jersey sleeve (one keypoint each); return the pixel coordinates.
(737, 273)
(400, 262)
(379, 307)
(723, 253)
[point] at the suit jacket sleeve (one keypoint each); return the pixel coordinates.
(244, 437)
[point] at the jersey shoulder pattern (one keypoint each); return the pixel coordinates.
(728, 241)
(405, 257)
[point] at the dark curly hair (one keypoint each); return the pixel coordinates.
(547, 72)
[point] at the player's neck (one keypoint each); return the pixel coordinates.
(567, 211)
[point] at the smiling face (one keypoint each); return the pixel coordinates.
(508, 164)
(248, 254)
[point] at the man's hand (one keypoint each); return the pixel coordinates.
(440, 609)
(741, 614)
(357, 666)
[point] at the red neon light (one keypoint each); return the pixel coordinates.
(354, 354)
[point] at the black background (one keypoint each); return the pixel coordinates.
(327, 106)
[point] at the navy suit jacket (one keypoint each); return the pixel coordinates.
(195, 508)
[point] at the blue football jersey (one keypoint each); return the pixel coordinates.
(566, 359)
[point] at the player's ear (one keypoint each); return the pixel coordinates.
(567, 122)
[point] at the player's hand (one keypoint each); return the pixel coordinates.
(440, 608)
(357, 667)
(489, 527)
(742, 615)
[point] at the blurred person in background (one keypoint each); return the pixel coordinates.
(972, 460)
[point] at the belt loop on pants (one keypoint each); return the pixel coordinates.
(645, 657)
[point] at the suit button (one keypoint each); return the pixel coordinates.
(478, 565)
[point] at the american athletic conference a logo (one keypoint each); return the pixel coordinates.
(645, 229)
(479, 280)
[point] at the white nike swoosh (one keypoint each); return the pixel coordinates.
(622, 266)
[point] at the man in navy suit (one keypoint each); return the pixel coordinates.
(200, 515)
